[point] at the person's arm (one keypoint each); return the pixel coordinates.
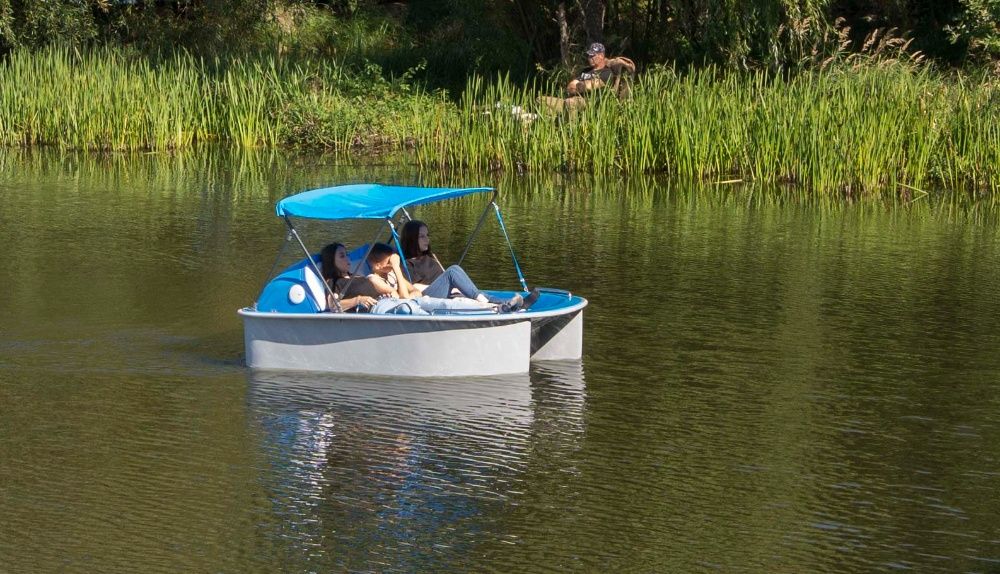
(382, 286)
(589, 85)
(406, 289)
(350, 302)
(587, 81)
(581, 87)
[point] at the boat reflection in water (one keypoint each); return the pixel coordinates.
(404, 473)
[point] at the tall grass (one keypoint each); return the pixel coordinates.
(107, 101)
(851, 131)
(110, 100)
(878, 128)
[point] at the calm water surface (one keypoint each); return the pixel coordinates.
(766, 386)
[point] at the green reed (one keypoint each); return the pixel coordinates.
(63, 98)
(110, 99)
(876, 128)
(883, 127)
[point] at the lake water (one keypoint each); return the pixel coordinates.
(768, 385)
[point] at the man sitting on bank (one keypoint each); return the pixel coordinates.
(597, 75)
(601, 72)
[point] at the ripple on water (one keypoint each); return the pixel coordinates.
(766, 387)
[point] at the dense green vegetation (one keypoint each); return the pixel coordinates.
(449, 40)
(108, 100)
(821, 93)
(871, 129)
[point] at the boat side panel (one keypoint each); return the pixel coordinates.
(426, 348)
(557, 338)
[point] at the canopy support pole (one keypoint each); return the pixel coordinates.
(315, 268)
(517, 267)
(270, 274)
(399, 248)
(479, 224)
(357, 266)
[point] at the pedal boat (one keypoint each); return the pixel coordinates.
(291, 327)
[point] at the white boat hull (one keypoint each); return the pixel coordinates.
(411, 346)
(557, 338)
(386, 345)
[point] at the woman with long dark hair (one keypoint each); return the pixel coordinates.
(423, 264)
(431, 278)
(360, 295)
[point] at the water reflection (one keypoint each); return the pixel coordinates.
(782, 386)
(405, 474)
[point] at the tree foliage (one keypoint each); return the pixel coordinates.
(33, 23)
(977, 29)
(449, 39)
(200, 25)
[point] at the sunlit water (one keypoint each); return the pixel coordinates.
(767, 386)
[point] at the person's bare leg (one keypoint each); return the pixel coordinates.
(552, 104)
(575, 103)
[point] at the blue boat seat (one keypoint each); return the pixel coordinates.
(358, 256)
(316, 289)
(297, 289)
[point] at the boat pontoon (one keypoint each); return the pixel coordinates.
(291, 327)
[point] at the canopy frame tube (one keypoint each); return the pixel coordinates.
(513, 257)
(482, 218)
(277, 259)
(399, 249)
(312, 263)
(479, 224)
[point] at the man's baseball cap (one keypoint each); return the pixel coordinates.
(595, 48)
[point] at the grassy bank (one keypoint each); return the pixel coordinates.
(882, 128)
(860, 130)
(112, 100)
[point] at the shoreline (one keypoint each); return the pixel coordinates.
(881, 128)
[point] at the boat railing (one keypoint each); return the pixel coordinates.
(554, 291)
(463, 312)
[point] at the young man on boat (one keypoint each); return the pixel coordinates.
(373, 293)
(389, 279)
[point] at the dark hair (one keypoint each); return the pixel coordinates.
(380, 251)
(410, 238)
(328, 258)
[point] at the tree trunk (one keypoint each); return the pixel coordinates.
(567, 58)
(529, 26)
(593, 19)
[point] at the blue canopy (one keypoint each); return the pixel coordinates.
(364, 200)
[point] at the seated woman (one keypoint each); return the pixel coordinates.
(354, 295)
(431, 278)
(360, 294)
(424, 265)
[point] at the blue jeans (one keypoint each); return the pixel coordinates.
(394, 306)
(422, 305)
(435, 304)
(455, 277)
